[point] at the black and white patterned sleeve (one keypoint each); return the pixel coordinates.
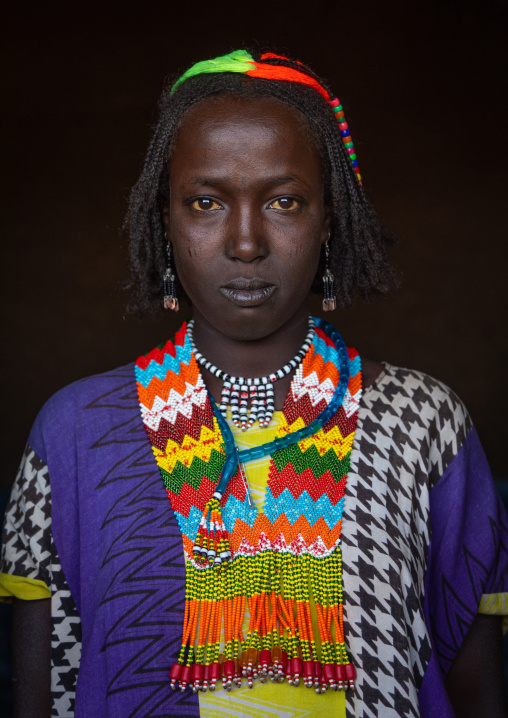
(30, 569)
(25, 566)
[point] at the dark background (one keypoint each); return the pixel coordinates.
(424, 93)
(423, 84)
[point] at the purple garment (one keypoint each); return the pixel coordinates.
(468, 557)
(119, 545)
(121, 552)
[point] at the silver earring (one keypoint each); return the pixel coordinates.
(170, 298)
(329, 299)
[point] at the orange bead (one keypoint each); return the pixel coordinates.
(276, 654)
(252, 656)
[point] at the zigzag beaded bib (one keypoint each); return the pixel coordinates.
(285, 563)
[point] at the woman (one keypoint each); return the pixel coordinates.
(266, 431)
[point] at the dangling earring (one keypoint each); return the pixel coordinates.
(329, 300)
(170, 298)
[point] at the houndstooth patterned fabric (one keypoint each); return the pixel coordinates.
(409, 429)
(28, 551)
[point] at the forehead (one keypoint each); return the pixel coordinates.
(251, 131)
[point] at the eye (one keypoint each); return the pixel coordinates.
(205, 204)
(285, 203)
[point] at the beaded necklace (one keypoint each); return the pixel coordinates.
(273, 564)
(237, 392)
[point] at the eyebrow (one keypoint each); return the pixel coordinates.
(268, 181)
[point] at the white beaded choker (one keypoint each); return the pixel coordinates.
(237, 392)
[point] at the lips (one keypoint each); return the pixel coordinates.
(248, 292)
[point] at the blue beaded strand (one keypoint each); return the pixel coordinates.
(233, 456)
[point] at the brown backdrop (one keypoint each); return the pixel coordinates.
(423, 86)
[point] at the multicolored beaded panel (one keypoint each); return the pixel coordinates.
(286, 561)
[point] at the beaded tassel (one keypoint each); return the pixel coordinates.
(244, 403)
(225, 396)
(235, 401)
(280, 643)
(253, 399)
(212, 542)
(261, 413)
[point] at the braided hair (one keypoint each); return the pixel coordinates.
(358, 242)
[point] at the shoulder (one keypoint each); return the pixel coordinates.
(409, 411)
(60, 417)
(395, 385)
(84, 391)
(400, 387)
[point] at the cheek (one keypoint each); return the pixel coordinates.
(196, 267)
(190, 260)
(302, 254)
(190, 249)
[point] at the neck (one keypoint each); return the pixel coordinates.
(252, 358)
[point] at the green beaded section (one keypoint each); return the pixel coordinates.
(339, 108)
(195, 473)
(311, 459)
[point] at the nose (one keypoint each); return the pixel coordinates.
(246, 240)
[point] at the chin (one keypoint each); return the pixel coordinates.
(250, 328)
(254, 325)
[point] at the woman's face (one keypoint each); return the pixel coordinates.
(246, 217)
